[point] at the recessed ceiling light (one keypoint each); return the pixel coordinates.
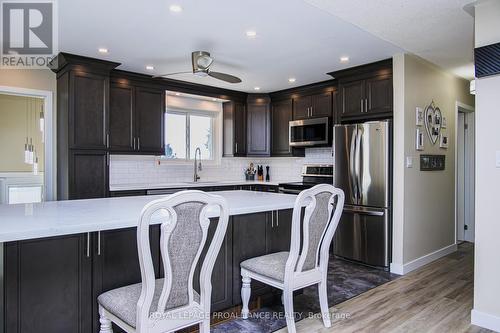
(251, 33)
(291, 80)
(175, 8)
(150, 68)
(214, 99)
(177, 94)
(256, 88)
(344, 59)
(103, 50)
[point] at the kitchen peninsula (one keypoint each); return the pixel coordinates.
(58, 256)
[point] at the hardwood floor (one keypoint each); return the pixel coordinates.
(435, 298)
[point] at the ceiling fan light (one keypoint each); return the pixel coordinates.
(204, 61)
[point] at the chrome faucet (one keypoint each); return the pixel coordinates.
(197, 164)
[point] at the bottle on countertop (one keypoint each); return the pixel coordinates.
(267, 173)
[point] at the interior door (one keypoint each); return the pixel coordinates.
(344, 139)
(372, 163)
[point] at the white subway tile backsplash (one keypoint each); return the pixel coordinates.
(126, 169)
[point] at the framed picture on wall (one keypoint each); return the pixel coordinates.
(419, 116)
(419, 139)
(443, 122)
(443, 141)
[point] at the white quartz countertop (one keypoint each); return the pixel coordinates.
(55, 218)
(200, 183)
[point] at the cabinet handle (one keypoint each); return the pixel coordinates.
(366, 104)
(134, 142)
(236, 149)
(312, 108)
(272, 219)
(98, 243)
(107, 159)
(107, 140)
(88, 244)
(277, 218)
(361, 105)
(138, 143)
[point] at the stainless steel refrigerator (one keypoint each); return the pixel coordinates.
(362, 169)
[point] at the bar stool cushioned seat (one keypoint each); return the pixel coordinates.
(270, 265)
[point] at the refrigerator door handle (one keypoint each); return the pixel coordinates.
(357, 163)
(363, 211)
(352, 167)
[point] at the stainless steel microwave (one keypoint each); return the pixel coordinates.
(309, 132)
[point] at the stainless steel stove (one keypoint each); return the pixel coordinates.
(312, 174)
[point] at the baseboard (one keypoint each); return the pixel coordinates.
(485, 320)
(403, 269)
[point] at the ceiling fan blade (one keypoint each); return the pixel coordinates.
(170, 74)
(224, 77)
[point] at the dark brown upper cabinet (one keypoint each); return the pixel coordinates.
(136, 119)
(366, 91)
(234, 129)
(313, 106)
(281, 115)
(149, 116)
(258, 125)
(88, 110)
(121, 118)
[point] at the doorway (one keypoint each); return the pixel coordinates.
(26, 131)
(465, 168)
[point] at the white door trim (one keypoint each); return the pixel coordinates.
(49, 139)
(459, 107)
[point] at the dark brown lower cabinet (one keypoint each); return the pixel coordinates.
(279, 231)
(88, 175)
(249, 241)
(116, 262)
(222, 283)
(48, 285)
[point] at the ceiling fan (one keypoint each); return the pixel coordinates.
(201, 61)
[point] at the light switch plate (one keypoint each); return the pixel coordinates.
(409, 161)
(497, 163)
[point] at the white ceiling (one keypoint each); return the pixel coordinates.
(303, 39)
(294, 39)
(437, 30)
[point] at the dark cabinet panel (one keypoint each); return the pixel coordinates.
(149, 116)
(88, 96)
(258, 126)
(352, 95)
(48, 285)
(322, 105)
(121, 114)
(234, 129)
(249, 239)
(89, 174)
(281, 115)
(313, 106)
(279, 231)
(116, 261)
(379, 94)
(302, 107)
(222, 274)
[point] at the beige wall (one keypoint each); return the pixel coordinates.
(40, 79)
(487, 244)
(19, 118)
(424, 202)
